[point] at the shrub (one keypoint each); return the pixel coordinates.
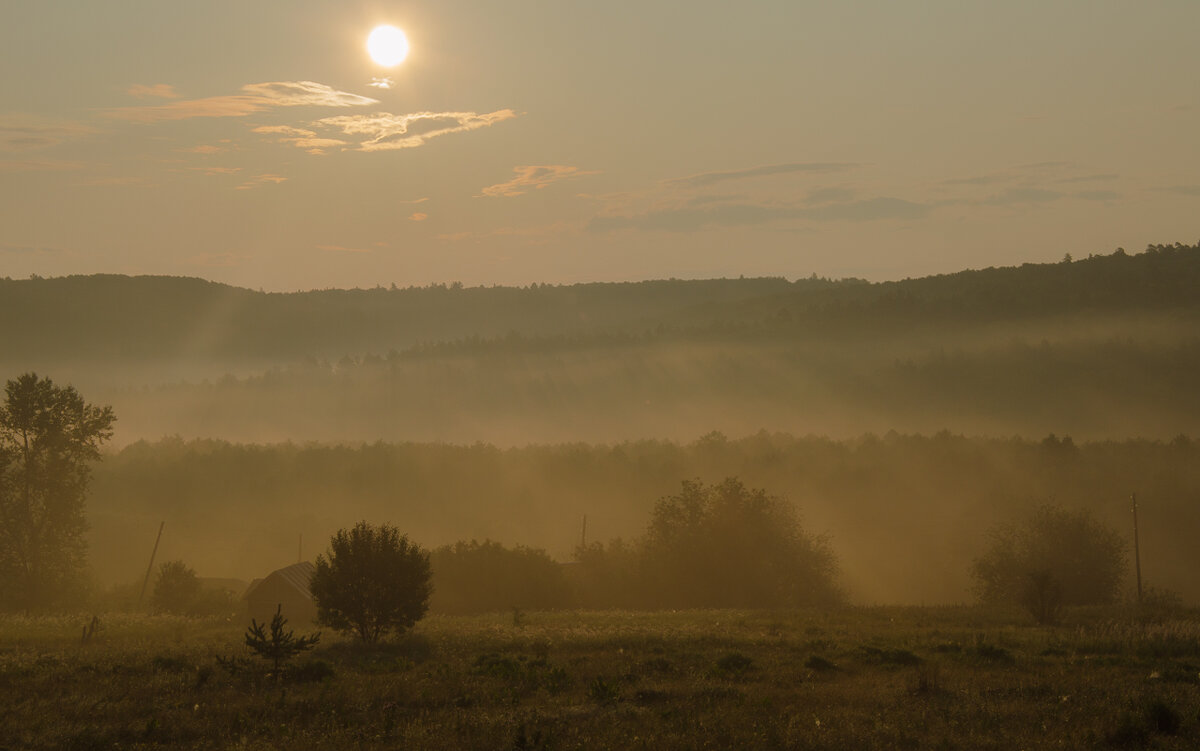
(477, 577)
(728, 546)
(280, 645)
(176, 589)
(371, 581)
(1056, 558)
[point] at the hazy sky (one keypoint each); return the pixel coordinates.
(571, 140)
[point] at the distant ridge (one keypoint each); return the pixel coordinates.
(152, 318)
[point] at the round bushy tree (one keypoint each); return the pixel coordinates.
(371, 581)
(726, 545)
(480, 577)
(176, 589)
(1055, 558)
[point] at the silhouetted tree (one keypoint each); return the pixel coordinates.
(48, 436)
(371, 581)
(176, 589)
(280, 645)
(1055, 558)
(725, 545)
(477, 577)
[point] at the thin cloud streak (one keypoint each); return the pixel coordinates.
(156, 91)
(257, 97)
(534, 177)
(692, 219)
(709, 178)
(385, 131)
(300, 138)
(20, 133)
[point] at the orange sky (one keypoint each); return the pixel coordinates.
(524, 141)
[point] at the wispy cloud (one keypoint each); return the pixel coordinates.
(1090, 178)
(300, 138)
(1097, 195)
(418, 216)
(22, 133)
(255, 97)
(691, 219)
(1183, 190)
(156, 91)
(208, 149)
(1021, 196)
(534, 177)
(259, 180)
(384, 131)
(213, 171)
(342, 249)
(709, 178)
(382, 83)
(39, 165)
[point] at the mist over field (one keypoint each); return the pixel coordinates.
(904, 420)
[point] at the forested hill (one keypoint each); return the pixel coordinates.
(81, 319)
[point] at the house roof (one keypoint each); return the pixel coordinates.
(296, 576)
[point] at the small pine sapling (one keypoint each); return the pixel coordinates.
(279, 645)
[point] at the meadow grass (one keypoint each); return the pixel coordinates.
(861, 678)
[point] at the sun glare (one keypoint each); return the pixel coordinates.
(387, 46)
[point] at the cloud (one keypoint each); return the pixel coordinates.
(342, 249)
(21, 133)
(382, 83)
(384, 131)
(991, 179)
(690, 219)
(212, 171)
(1183, 190)
(415, 200)
(39, 165)
(258, 180)
(256, 97)
(1090, 178)
(708, 178)
(206, 149)
(534, 177)
(1097, 195)
(1021, 196)
(300, 138)
(830, 195)
(157, 91)
(418, 216)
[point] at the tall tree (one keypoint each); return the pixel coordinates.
(48, 437)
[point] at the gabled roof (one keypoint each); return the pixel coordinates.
(296, 576)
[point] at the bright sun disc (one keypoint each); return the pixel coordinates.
(387, 46)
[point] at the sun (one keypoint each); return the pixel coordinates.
(387, 46)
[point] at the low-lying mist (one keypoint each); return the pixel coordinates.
(905, 514)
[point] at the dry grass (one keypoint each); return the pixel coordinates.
(859, 678)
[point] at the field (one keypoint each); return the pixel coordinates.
(861, 678)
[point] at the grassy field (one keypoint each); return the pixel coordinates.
(886, 678)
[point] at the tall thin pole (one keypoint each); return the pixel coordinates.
(1137, 553)
(583, 534)
(150, 568)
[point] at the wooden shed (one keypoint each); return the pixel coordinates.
(288, 587)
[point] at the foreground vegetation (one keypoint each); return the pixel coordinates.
(853, 678)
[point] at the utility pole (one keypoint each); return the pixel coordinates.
(1137, 553)
(150, 568)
